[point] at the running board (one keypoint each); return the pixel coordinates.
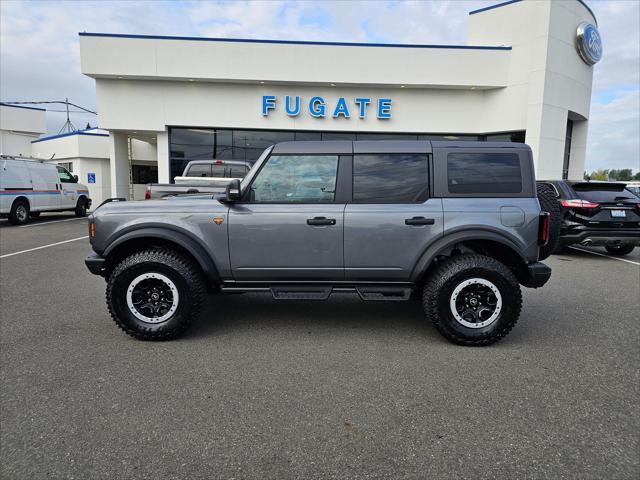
(322, 292)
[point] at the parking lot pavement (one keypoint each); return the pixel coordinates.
(336, 389)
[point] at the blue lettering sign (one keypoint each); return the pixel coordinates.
(362, 105)
(341, 109)
(384, 108)
(268, 103)
(292, 112)
(317, 107)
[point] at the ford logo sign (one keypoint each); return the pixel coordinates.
(589, 43)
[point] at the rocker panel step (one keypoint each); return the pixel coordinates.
(300, 293)
(384, 293)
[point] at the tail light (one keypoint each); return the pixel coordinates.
(577, 203)
(543, 228)
(147, 193)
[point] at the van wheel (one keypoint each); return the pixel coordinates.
(549, 203)
(472, 299)
(81, 208)
(19, 214)
(619, 250)
(155, 294)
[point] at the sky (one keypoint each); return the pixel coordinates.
(40, 59)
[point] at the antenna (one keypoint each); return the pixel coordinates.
(68, 126)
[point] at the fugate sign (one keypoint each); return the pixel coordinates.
(317, 106)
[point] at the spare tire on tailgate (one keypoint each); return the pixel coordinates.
(549, 203)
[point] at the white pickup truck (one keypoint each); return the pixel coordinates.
(201, 176)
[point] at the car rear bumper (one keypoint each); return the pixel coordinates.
(537, 275)
(602, 237)
(95, 263)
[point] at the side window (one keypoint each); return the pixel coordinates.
(199, 170)
(390, 178)
(485, 173)
(64, 176)
(296, 178)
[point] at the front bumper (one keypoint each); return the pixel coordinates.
(537, 275)
(96, 264)
(629, 236)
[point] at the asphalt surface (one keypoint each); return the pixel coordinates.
(337, 389)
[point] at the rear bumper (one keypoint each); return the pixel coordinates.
(537, 275)
(602, 237)
(96, 264)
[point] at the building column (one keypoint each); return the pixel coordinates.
(163, 157)
(119, 164)
(546, 128)
(578, 149)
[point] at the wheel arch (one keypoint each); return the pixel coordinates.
(141, 238)
(485, 242)
(21, 197)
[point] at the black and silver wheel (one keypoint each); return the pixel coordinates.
(472, 299)
(155, 294)
(619, 250)
(81, 208)
(19, 214)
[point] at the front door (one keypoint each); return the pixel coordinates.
(290, 224)
(68, 184)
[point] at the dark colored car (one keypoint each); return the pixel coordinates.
(597, 213)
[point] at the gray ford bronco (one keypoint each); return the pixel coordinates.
(456, 224)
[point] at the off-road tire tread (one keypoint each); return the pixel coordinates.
(549, 203)
(453, 266)
(185, 267)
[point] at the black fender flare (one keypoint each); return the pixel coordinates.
(170, 234)
(451, 238)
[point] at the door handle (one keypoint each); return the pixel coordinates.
(419, 221)
(316, 221)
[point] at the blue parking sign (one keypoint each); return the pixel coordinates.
(91, 177)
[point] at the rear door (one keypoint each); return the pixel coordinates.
(392, 219)
(605, 205)
(15, 181)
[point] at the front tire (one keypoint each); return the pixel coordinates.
(19, 214)
(472, 300)
(155, 294)
(81, 208)
(619, 250)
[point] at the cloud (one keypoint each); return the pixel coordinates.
(39, 48)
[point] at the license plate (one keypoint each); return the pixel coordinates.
(618, 213)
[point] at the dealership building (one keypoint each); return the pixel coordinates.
(525, 75)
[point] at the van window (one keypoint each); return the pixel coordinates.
(484, 173)
(64, 176)
(390, 178)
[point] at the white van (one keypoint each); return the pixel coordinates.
(29, 186)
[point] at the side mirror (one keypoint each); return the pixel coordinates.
(75, 177)
(233, 191)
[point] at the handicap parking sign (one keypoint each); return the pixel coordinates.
(91, 177)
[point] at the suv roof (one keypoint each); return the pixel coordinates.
(382, 146)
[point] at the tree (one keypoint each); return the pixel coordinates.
(600, 174)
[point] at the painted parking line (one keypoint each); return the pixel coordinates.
(43, 246)
(52, 221)
(606, 256)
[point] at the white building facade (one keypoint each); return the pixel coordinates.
(19, 126)
(520, 78)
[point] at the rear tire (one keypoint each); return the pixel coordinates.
(619, 250)
(472, 300)
(155, 294)
(19, 214)
(81, 208)
(549, 203)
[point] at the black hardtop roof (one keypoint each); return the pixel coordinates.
(347, 147)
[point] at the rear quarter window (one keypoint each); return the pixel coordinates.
(483, 173)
